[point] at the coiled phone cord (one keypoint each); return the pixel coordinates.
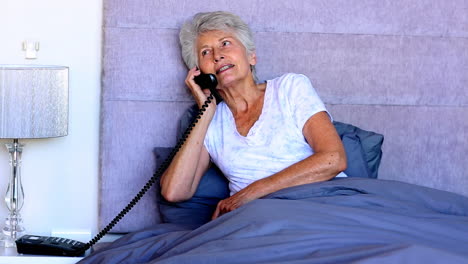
(151, 181)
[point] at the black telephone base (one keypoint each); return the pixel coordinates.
(55, 246)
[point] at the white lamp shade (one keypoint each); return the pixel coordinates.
(33, 101)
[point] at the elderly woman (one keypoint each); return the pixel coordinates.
(263, 136)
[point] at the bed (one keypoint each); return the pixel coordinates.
(354, 220)
(359, 219)
(392, 76)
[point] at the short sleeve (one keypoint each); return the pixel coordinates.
(303, 100)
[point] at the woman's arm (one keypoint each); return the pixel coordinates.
(179, 182)
(328, 160)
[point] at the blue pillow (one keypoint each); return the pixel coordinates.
(363, 150)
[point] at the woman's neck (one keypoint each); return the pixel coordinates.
(244, 99)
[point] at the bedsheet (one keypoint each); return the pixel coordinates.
(350, 220)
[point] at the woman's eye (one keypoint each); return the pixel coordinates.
(226, 43)
(204, 52)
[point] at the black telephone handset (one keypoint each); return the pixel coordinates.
(43, 245)
(209, 81)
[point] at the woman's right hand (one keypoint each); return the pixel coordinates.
(200, 95)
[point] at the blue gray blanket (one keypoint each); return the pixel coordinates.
(351, 220)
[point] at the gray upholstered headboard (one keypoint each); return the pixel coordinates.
(395, 67)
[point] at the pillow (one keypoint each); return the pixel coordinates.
(363, 150)
(213, 187)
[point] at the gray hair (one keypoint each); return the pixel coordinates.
(220, 20)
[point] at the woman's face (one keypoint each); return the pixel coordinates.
(221, 53)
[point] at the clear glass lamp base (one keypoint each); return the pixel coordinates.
(14, 198)
(11, 231)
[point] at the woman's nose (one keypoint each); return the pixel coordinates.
(218, 57)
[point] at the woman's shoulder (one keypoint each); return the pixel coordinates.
(289, 81)
(289, 78)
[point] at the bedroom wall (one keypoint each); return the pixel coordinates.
(60, 175)
(395, 67)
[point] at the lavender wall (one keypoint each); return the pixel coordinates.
(397, 67)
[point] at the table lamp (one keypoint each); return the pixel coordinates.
(33, 104)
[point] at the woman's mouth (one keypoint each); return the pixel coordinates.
(225, 67)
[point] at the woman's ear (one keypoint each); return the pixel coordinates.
(252, 58)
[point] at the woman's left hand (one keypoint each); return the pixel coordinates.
(229, 204)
